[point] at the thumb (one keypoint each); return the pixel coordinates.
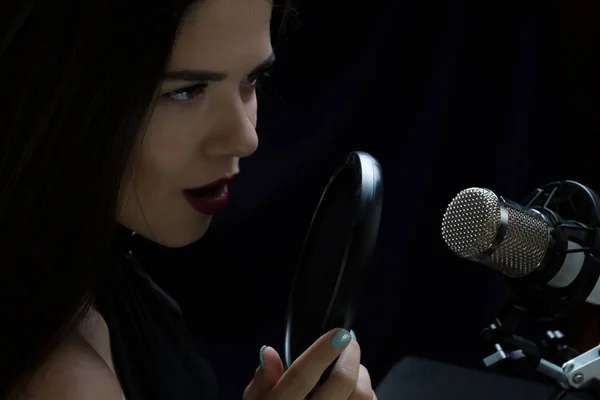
(267, 374)
(271, 365)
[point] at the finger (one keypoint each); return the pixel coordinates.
(272, 367)
(252, 391)
(363, 390)
(266, 375)
(302, 376)
(343, 378)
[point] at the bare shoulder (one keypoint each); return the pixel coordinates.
(74, 372)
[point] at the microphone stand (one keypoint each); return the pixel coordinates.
(576, 374)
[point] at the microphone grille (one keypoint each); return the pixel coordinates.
(472, 225)
(471, 222)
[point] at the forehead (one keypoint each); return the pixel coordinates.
(224, 35)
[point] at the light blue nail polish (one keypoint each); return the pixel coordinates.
(261, 360)
(353, 335)
(340, 339)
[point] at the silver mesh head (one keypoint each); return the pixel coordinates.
(479, 226)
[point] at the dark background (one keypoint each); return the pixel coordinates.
(446, 95)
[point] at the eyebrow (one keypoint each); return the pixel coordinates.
(208, 76)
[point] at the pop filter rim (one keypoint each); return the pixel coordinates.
(359, 247)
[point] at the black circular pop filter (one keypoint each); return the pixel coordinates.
(336, 253)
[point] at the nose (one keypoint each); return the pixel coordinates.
(233, 132)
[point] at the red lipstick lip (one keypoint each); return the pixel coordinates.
(209, 204)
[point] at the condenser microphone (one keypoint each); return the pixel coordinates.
(547, 245)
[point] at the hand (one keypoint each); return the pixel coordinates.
(348, 380)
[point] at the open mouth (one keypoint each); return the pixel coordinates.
(210, 199)
(207, 192)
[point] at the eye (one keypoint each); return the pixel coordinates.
(187, 94)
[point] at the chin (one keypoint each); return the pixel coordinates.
(179, 242)
(178, 238)
(174, 235)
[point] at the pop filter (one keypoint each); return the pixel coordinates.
(337, 251)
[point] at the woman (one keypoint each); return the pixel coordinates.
(122, 117)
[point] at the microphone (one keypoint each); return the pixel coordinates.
(547, 247)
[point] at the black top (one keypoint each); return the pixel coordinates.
(154, 354)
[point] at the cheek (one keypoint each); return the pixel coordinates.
(167, 149)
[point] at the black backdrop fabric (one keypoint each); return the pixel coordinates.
(446, 95)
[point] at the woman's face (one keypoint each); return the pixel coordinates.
(203, 124)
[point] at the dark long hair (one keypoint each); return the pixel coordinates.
(78, 79)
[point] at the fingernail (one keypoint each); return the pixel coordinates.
(353, 335)
(340, 339)
(261, 360)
